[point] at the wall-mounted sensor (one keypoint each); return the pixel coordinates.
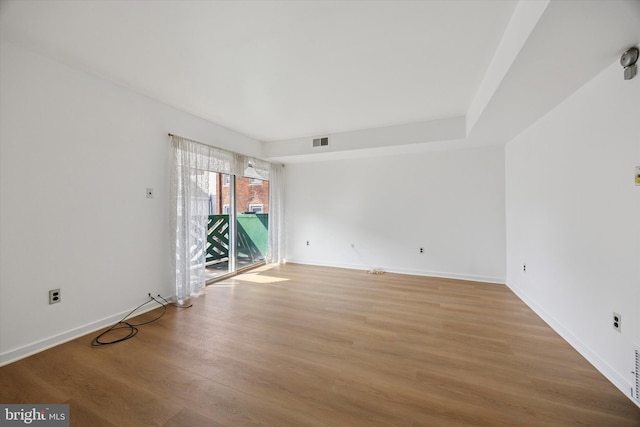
(628, 60)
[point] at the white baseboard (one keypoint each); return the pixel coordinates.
(44, 344)
(603, 367)
(444, 275)
(324, 264)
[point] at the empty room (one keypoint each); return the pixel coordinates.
(319, 213)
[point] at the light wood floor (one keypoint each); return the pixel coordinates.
(310, 346)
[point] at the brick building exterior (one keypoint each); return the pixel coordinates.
(252, 195)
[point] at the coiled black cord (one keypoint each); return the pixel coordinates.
(132, 327)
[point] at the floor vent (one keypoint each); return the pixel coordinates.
(320, 142)
(635, 390)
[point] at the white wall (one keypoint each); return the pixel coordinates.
(573, 216)
(449, 202)
(77, 154)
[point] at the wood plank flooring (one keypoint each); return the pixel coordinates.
(311, 346)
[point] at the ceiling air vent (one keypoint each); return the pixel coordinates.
(320, 142)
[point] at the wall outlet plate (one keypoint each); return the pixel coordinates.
(617, 322)
(55, 296)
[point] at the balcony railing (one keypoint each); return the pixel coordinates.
(252, 238)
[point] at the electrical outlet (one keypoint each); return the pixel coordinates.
(55, 296)
(617, 322)
(149, 193)
(524, 267)
(307, 243)
(421, 250)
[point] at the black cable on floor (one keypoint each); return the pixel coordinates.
(132, 327)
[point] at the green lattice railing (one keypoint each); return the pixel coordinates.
(218, 238)
(252, 237)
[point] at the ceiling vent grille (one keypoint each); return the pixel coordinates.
(635, 391)
(320, 142)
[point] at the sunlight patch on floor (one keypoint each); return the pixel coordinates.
(257, 278)
(222, 285)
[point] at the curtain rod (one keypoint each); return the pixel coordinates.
(214, 147)
(178, 136)
(193, 140)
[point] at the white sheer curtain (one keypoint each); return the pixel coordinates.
(251, 167)
(189, 204)
(189, 200)
(275, 233)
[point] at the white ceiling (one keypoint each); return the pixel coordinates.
(277, 69)
(284, 70)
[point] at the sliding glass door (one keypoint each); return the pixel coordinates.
(219, 247)
(238, 223)
(252, 219)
